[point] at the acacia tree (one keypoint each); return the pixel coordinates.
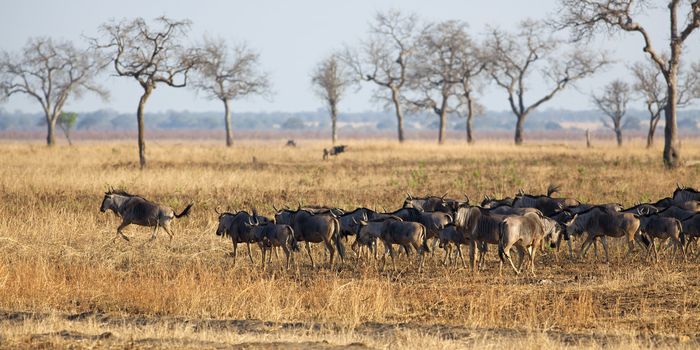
(384, 59)
(438, 70)
(513, 57)
(50, 72)
(587, 17)
(225, 77)
(613, 102)
(650, 86)
(330, 81)
(151, 55)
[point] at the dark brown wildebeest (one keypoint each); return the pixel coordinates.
(238, 226)
(601, 222)
(333, 151)
(313, 228)
(449, 236)
(133, 209)
(691, 230)
(683, 194)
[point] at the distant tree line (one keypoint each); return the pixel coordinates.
(415, 66)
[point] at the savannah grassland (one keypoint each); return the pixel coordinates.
(64, 283)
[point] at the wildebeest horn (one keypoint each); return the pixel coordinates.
(299, 207)
(678, 186)
(487, 198)
(521, 192)
(409, 195)
(467, 197)
(274, 208)
(444, 195)
(364, 216)
(255, 212)
(216, 210)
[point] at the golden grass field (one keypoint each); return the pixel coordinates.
(64, 283)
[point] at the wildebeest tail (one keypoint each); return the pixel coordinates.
(681, 233)
(501, 236)
(184, 212)
(424, 237)
(336, 237)
(293, 243)
(645, 240)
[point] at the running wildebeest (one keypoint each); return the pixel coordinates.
(600, 222)
(133, 209)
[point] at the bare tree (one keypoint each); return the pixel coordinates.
(613, 102)
(650, 85)
(225, 77)
(385, 57)
(437, 74)
(514, 56)
(50, 72)
(587, 17)
(151, 56)
(472, 68)
(330, 81)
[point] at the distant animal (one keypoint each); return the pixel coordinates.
(291, 143)
(333, 151)
(133, 209)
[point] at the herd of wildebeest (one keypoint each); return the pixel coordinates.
(525, 223)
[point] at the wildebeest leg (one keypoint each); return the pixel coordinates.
(532, 251)
(287, 254)
(605, 248)
(656, 252)
(331, 250)
(421, 253)
(250, 256)
(393, 259)
(506, 253)
(168, 230)
(263, 250)
(459, 251)
(155, 232)
(571, 249)
(473, 258)
(446, 248)
(585, 245)
(308, 250)
(235, 247)
(119, 230)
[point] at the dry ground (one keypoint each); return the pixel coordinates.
(64, 283)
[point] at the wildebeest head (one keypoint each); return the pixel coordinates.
(106, 202)
(225, 221)
(572, 227)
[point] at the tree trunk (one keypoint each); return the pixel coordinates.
(652, 129)
(618, 134)
(51, 136)
(672, 154)
(227, 122)
(334, 118)
(470, 114)
(399, 113)
(441, 133)
(519, 129)
(139, 120)
(588, 139)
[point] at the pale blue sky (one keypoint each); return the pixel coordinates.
(291, 37)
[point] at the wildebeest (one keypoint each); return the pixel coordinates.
(270, 235)
(238, 226)
(489, 202)
(600, 222)
(133, 209)
(691, 230)
(524, 232)
(405, 234)
(662, 227)
(434, 222)
(313, 228)
(480, 227)
(683, 194)
(429, 203)
(333, 151)
(449, 236)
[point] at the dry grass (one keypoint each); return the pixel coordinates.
(57, 259)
